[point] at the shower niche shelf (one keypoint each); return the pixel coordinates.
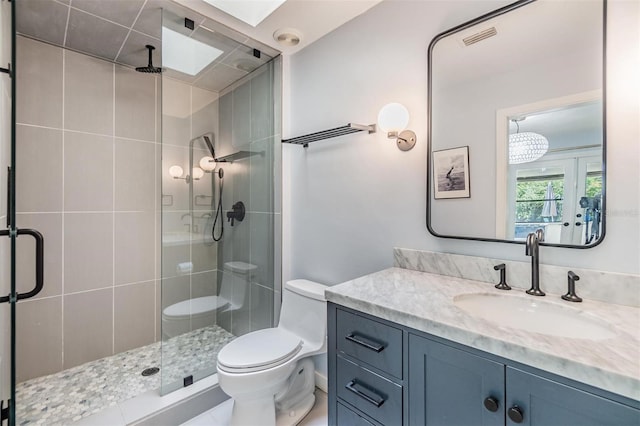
(331, 133)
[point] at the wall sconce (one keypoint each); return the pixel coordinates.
(208, 164)
(177, 171)
(393, 119)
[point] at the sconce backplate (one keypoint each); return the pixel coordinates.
(406, 140)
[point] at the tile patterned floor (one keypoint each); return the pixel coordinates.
(68, 396)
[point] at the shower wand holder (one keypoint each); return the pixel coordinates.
(237, 213)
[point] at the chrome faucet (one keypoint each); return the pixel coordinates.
(532, 249)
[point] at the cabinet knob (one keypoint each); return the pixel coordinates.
(491, 404)
(515, 414)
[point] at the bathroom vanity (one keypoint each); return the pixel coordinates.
(405, 348)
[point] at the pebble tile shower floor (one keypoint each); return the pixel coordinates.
(68, 396)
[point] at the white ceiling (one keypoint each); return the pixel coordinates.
(311, 18)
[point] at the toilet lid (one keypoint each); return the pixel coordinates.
(263, 348)
(195, 306)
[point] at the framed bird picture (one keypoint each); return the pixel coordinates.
(451, 173)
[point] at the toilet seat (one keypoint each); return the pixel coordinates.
(259, 350)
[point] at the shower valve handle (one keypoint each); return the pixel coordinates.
(237, 213)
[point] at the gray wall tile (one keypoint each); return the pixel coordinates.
(261, 307)
(39, 83)
(88, 94)
(242, 117)
(261, 176)
(174, 290)
(204, 109)
(50, 226)
(88, 326)
(39, 346)
(176, 111)
(88, 172)
(88, 251)
(134, 247)
(134, 308)
(261, 247)
(224, 144)
(134, 175)
(204, 284)
(262, 103)
(135, 103)
(38, 150)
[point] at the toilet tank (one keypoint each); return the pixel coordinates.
(304, 312)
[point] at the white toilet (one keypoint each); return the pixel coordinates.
(269, 373)
(195, 313)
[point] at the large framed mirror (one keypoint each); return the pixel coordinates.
(517, 125)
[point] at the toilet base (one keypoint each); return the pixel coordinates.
(293, 417)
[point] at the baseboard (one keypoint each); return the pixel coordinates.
(321, 382)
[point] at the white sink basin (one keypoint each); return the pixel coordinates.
(535, 315)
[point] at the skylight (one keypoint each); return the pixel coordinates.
(250, 11)
(185, 54)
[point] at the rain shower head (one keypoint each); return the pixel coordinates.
(150, 68)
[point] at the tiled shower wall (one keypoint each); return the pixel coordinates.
(187, 112)
(87, 144)
(247, 123)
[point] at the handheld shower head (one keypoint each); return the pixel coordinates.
(207, 141)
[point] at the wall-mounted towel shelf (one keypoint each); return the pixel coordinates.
(237, 156)
(331, 133)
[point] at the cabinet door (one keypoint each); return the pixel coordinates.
(545, 402)
(449, 386)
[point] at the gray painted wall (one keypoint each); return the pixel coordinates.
(350, 200)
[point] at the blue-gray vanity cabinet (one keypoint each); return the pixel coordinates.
(433, 381)
(545, 402)
(448, 386)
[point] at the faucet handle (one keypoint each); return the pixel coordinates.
(571, 295)
(502, 285)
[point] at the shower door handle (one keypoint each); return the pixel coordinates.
(39, 263)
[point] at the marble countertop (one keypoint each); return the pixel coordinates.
(425, 302)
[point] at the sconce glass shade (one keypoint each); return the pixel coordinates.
(393, 117)
(526, 147)
(175, 171)
(197, 173)
(207, 164)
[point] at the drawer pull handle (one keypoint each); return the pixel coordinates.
(367, 343)
(363, 393)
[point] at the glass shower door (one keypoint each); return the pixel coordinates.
(219, 147)
(10, 293)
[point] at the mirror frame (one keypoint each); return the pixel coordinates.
(479, 20)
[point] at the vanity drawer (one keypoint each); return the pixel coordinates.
(346, 417)
(377, 397)
(373, 342)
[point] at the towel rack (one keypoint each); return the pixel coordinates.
(237, 156)
(331, 133)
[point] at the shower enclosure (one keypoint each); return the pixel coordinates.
(124, 174)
